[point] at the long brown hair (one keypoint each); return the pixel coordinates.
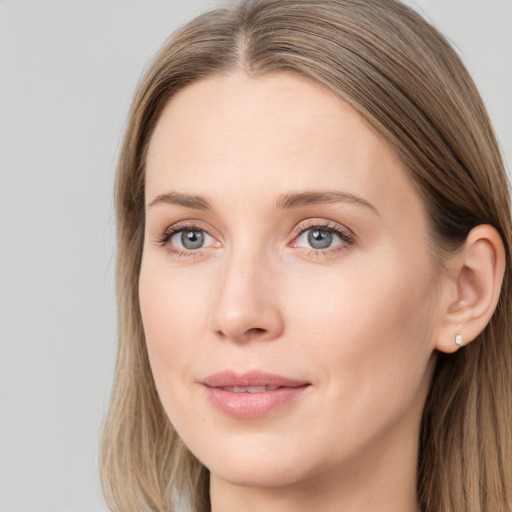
(407, 82)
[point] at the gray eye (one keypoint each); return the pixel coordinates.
(320, 238)
(192, 239)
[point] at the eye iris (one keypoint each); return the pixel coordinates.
(320, 238)
(192, 239)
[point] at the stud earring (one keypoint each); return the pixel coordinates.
(458, 340)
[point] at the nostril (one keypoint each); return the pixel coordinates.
(256, 331)
(250, 334)
(246, 322)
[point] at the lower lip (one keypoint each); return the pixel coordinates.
(252, 405)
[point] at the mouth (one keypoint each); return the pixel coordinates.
(249, 389)
(251, 382)
(252, 395)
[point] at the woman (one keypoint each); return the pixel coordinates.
(314, 237)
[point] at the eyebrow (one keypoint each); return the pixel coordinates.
(284, 202)
(297, 200)
(186, 200)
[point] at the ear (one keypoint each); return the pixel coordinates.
(471, 289)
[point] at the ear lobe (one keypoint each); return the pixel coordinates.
(472, 288)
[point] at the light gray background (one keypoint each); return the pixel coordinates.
(67, 72)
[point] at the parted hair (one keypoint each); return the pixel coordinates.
(403, 77)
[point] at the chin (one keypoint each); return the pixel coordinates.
(262, 464)
(258, 473)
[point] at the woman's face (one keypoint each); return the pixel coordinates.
(287, 292)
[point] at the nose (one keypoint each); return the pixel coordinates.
(247, 300)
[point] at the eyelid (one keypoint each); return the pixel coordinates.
(347, 237)
(184, 226)
(324, 224)
(164, 239)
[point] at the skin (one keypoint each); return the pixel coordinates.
(358, 320)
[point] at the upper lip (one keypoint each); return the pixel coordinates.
(254, 378)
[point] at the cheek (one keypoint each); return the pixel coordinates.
(372, 332)
(367, 303)
(173, 319)
(170, 317)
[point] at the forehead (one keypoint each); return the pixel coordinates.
(232, 136)
(278, 112)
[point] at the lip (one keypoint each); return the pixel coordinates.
(251, 405)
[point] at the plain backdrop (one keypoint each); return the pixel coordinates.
(68, 69)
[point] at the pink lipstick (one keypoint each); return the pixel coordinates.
(251, 395)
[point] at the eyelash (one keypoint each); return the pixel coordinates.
(347, 237)
(177, 228)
